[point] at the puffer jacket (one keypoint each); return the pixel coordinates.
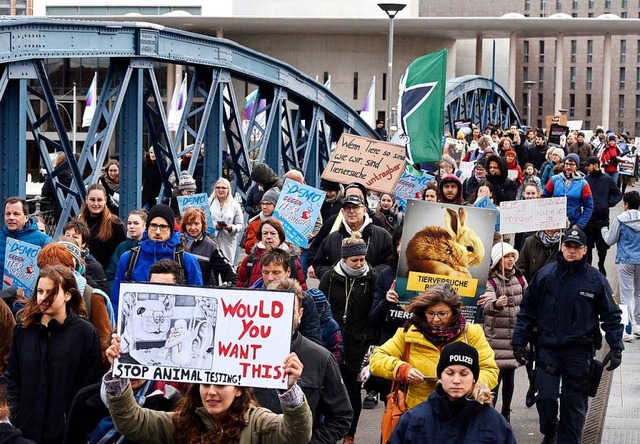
(423, 355)
(30, 233)
(499, 322)
(213, 263)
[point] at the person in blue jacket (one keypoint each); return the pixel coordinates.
(20, 226)
(160, 241)
(459, 411)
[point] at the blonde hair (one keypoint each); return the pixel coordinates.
(225, 182)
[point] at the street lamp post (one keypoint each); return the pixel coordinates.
(391, 9)
(529, 84)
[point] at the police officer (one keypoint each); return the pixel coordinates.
(567, 300)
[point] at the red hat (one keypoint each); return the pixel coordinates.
(513, 153)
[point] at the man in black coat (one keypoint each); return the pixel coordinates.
(538, 151)
(606, 194)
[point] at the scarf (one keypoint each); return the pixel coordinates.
(367, 221)
(440, 335)
(353, 272)
(190, 240)
(263, 217)
(115, 186)
(547, 240)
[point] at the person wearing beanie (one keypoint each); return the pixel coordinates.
(450, 190)
(349, 287)
(268, 206)
(459, 410)
(609, 157)
(479, 174)
(501, 304)
(186, 187)
(572, 184)
(514, 170)
(160, 241)
(332, 199)
(263, 175)
(556, 158)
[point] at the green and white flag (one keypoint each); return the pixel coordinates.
(421, 106)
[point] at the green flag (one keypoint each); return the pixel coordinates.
(421, 106)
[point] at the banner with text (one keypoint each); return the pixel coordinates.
(204, 335)
(375, 164)
(20, 266)
(200, 201)
(445, 243)
(411, 185)
(298, 208)
(523, 216)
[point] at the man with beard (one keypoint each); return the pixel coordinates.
(450, 190)
(538, 151)
(582, 149)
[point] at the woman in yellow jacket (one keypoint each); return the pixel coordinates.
(436, 321)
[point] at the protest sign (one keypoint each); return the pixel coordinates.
(375, 164)
(559, 119)
(627, 165)
(454, 148)
(411, 186)
(557, 133)
(522, 216)
(298, 208)
(200, 201)
(204, 335)
(445, 243)
(466, 168)
(20, 266)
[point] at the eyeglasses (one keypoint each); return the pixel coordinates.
(439, 314)
(156, 227)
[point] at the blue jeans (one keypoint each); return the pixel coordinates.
(304, 254)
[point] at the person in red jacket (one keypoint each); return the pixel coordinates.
(609, 158)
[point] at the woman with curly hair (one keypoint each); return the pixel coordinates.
(216, 414)
(459, 410)
(106, 230)
(55, 352)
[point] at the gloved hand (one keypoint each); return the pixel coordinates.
(615, 356)
(521, 354)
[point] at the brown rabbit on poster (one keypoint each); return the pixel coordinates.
(447, 250)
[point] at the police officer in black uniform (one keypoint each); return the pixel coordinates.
(567, 301)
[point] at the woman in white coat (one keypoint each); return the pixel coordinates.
(228, 218)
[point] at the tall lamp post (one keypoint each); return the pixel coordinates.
(529, 84)
(391, 9)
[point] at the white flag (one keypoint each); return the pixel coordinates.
(92, 98)
(178, 102)
(368, 112)
(327, 84)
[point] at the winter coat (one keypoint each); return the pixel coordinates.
(11, 435)
(578, 193)
(513, 166)
(47, 367)
(102, 250)
(212, 262)
(7, 323)
(606, 194)
(537, 155)
(232, 215)
(249, 270)
(321, 383)
(48, 191)
(433, 422)
(350, 300)
(30, 233)
(609, 158)
(121, 249)
(151, 183)
(112, 204)
(499, 322)
(392, 218)
(149, 426)
(534, 255)
(331, 207)
(569, 302)
(583, 151)
(424, 355)
(504, 189)
(331, 333)
(377, 239)
(380, 306)
(625, 230)
(547, 172)
(152, 251)
(252, 204)
(251, 233)
(95, 274)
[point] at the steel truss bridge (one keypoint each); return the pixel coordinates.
(295, 128)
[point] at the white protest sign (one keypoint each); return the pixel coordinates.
(200, 201)
(522, 216)
(204, 335)
(467, 169)
(375, 164)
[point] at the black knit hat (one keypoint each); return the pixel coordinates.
(353, 246)
(459, 353)
(163, 211)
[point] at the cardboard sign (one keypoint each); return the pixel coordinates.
(557, 134)
(445, 243)
(560, 119)
(411, 186)
(454, 148)
(20, 266)
(298, 208)
(522, 216)
(204, 335)
(375, 164)
(200, 201)
(627, 165)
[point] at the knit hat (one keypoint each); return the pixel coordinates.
(186, 182)
(592, 160)
(163, 211)
(271, 195)
(353, 246)
(558, 152)
(73, 249)
(459, 353)
(500, 250)
(611, 137)
(574, 157)
(510, 153)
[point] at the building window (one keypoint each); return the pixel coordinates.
(384, 86)
(638, 79)
(541, 44)
(558, 5)
(527, 5)
(621, 106)
(623, 77)
(589, 78)
(587, 124)
(574, 4)
(540, 76)
(543, 7)
(624, 15)
(607, 4)
(590, 52)
(355, 86)
(525, 73)
(572, 77)
(540, 103)
(590, 15)
(624, 3)
(623, 51)
(574, 50)
(572, 105)
(638, 55)
(525, 50)
(574, 14)
(539, 124)
(637, 107)
(592, 4)
(587, 110)
(525, 102)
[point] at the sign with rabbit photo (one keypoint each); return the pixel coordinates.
(445, 243)
(204, 335)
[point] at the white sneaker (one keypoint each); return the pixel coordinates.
(627, 337)
(636, 330)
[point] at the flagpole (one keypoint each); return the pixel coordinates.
(73, 125)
